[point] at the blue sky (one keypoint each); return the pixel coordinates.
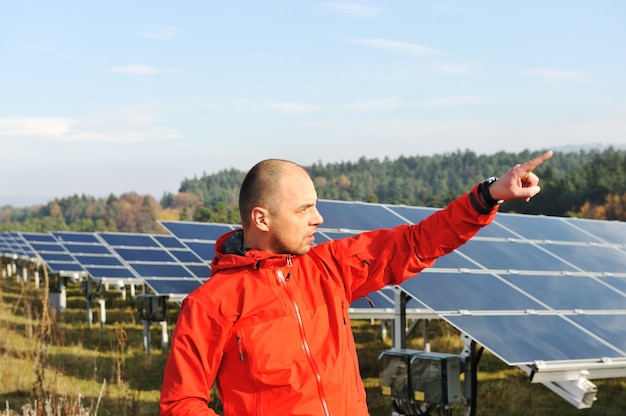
(118, 96)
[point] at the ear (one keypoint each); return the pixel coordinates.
(260, 218)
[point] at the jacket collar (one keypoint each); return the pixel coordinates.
(230, 253)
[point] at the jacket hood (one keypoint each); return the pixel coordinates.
(230, 253)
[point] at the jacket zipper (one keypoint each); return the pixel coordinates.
(256, 405)
(303, 340)
(240, 348)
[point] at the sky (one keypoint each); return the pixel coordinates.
(108, 97)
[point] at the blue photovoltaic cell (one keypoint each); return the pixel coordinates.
(356, 216)
(594, 259)
(169, 241)
(454, 260)
(523, 339)
(132, 240)
(607, 231)
(173, 286)
(110, 272)
(494, 230)
(65, 267)
(201, 271)
(56, 257)
(36, 237)
(619, 283)
(466, 291)
(607, 327)
(65, 237)
(75, 248)
(186, 256)
(42, 247)
(99, 261)
(147, 270)
(413, 215)
(505, 255)
(140, 254)
(196, 230)
(206, 251)
(569, 292)
(534, 227)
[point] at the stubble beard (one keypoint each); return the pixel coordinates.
(279, 246)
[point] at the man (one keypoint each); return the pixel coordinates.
(271, 325)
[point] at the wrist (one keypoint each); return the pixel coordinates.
(484, 195)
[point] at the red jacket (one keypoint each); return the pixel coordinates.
(274, 331)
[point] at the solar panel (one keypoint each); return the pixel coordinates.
(15, 247)
(357, 216)
(96, 257)
(187, 231)
(198, 237)
(606, 231)
(522, 287)
(523, 339)
(57, 259)
(166, 266)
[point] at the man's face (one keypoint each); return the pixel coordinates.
(295, 218)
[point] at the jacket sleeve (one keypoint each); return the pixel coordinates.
(374, 259)
(194, 358)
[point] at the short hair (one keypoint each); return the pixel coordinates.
(259, 187)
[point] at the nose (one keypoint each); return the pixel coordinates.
(317, 218)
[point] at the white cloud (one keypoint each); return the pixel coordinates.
(354, 9)
(391, 103)
(42, 127)
(44, 49)
(124, 136)
(553, 76)
(456, 100)
(400, 48)
(131, 124)
(158, 32)
(136, 69)
(454, 69)
(293, 107)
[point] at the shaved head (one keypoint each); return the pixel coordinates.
(260, 187)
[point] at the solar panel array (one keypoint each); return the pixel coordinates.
(161, 262)
(528, 288)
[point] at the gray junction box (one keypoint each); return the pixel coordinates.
(419, 376)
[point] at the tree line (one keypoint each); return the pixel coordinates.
(586, 184)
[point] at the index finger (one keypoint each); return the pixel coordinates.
(533, 163)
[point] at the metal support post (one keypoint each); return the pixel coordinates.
(399, 332)
(146, 336)
(165, 341)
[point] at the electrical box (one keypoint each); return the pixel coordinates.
(419, 376)
(152, 308)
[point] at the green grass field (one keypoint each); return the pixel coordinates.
(76, 370)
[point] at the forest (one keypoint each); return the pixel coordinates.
(585, 183)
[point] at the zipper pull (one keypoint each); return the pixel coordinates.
(289, 264)
(239, 345)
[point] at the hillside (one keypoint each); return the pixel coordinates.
(589, 184)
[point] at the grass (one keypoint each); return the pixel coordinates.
(67, 368)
